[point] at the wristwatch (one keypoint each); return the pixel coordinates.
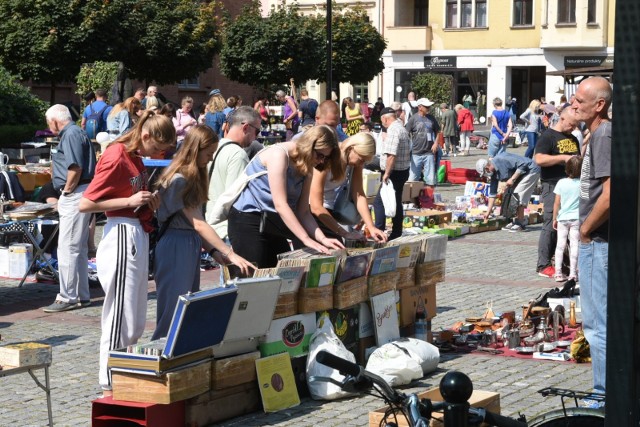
(65, 193)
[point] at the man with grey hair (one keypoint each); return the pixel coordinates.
(231, 159)
(591, 104)
(74, 162)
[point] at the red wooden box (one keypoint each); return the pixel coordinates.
(106, 412)
(462, 175)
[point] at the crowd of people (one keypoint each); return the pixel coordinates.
(294, 191)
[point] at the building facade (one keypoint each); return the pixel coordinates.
(504, 48)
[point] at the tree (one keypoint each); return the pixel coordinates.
(41, 40)
(357, 46)
(165, 41)
(18, 106)
(260, 51)
(437, 87)
(99, 75)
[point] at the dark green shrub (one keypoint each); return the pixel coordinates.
(18, 106)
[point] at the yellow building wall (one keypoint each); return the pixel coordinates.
(499, 34)
(611, 30)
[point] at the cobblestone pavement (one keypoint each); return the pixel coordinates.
(494, 266)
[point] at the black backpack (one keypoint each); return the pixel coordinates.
(93, 125)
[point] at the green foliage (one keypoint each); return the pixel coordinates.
(13, 135)
(436, 87)
(41, 40)
(357, 47)
(18, 106)
(99, 75)
(165, 41)
(261, 51)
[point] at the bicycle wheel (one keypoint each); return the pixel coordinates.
(574, 417)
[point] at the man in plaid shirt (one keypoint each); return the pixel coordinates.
(395, 160)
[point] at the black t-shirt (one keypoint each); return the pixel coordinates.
(553, 143)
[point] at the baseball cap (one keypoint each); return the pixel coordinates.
(214, 92)
(425, 102)
(387, 110)
(480, 165)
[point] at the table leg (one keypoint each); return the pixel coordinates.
(47, 389)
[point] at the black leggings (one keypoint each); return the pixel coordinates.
(261, 249)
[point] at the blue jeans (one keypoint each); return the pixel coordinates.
(496, 146)
(532, 138)
(423, 165)
(593, 261)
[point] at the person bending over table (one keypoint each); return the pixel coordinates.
(275, 206)
(120, 189)
(354, 153)
(183, 188)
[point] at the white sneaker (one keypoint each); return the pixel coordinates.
(508, 227)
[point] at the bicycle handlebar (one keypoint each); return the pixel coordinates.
(412, 402)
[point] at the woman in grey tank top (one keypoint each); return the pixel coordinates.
(354, 153)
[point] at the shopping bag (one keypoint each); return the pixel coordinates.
(223, 205)
(388, 196)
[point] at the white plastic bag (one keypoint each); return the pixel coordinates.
(426, 354)
(325, 338)
(394, 365)
(388, 195)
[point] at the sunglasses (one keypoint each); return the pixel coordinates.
(257, 129)
(321, 157)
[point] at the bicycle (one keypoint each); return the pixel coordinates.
(456, 388)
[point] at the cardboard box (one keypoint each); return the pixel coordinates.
(406, 193)
(235, 370)
(416, 187)
(20, 256)
(289, 335)
(168, 388)
(345, 324)
(410, 299)
(365, 321)
(479, 399)
(4, 261)
(25, 354)
(431, 216)
(219, 405)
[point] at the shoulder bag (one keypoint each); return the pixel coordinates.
(344, 210)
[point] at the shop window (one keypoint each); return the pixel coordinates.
(189, 83)
(361, 92)
(591, 12)
(522, 13)
(421, 13)
(566, 11)
(466, 13)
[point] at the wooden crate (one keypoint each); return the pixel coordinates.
(25, 354)
(287, 305)
(168, 388)
(381, 283)
(350, 293)
(406, 277)
(311, 300)
(431, 272)
(479, 399)
(219, 405)
(234, 370)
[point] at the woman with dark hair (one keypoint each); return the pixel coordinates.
(120, 189)
(184, 188)
(275, 206)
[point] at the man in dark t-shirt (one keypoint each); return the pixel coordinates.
(307, 109)
(555, 147)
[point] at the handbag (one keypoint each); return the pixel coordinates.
(221, 208)
(344, 210)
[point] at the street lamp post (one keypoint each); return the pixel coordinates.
(329, 52)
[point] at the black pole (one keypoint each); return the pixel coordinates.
(329, 52)
(623, 325)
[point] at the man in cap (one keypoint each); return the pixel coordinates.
(394, 162)
(423, 129)
(517, 171)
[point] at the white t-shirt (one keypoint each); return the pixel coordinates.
(406, 107)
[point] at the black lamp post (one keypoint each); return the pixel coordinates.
(329, 52)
